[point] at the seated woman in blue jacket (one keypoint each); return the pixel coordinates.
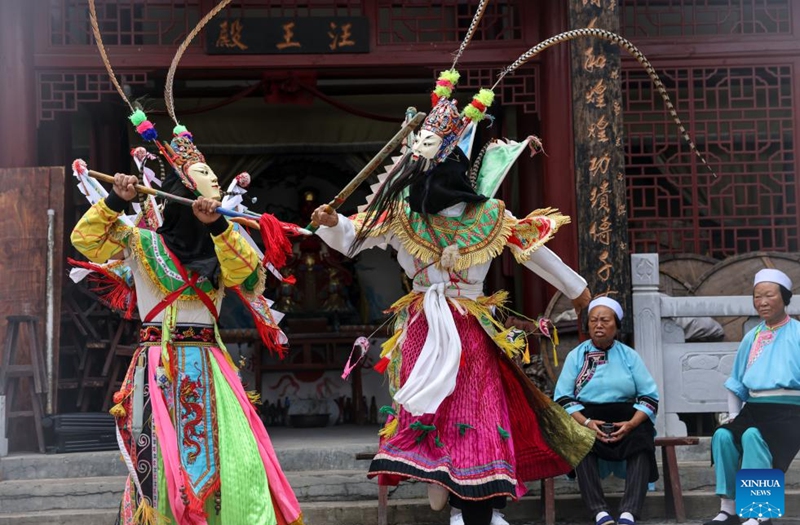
(604, 385)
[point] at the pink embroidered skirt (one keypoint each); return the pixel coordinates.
(484, 440)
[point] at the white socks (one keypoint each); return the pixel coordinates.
(627, 516)
(600, 515)
(725, 505)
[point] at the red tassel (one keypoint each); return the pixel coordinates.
(277, 246)
(381, 365)
(269, 333)
(434, 99)
(112, 290)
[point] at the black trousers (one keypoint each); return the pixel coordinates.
(477, 512)
(636, 479)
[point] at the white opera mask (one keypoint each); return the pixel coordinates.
(426, 145)
(205, 180)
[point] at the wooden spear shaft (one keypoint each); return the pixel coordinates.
(175, 198)
(373, 164)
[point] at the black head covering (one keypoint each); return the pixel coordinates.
(185, 236)
(445, 185)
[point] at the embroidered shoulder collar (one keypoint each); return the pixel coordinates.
(149, 250)
(481, 233)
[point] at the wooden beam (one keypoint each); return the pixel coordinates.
(141, 58)
(17, 85)
(599, 156)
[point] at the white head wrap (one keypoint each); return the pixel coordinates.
(609, 303)
(769, 275)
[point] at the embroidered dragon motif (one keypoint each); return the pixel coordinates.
(192, 413)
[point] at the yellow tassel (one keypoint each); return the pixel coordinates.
(118, 411)
(254, 397)
(511, 348)
(390, 343)
(229, 359)
(146, 514)
(526, 355)
(389, 429)
(555, 346)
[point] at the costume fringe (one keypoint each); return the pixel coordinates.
(110, 287)
(524, 229)
(563, 434)
(391, 343)
(265, 324)
(254, 397)
(146, 514)
(389, 430)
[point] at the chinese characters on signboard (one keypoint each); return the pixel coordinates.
(263, 36)
(599, 157)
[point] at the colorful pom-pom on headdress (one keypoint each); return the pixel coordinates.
(182, 153)
(476, 110)
(144, 127)
(181, 131)
(444, 85)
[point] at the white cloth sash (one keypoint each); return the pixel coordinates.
(433, 377)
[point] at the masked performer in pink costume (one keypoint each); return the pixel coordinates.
(465, 419)
(195, 447)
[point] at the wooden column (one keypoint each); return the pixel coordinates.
(599, 157)
(17, 85)
(555, 186)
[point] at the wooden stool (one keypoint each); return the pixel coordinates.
(10, 374)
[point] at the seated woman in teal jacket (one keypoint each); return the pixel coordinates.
(766, 377)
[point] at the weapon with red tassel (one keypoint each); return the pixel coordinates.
(273, 232)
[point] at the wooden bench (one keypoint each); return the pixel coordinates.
(673, 493)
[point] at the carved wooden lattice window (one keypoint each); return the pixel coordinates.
(123, 22)
(672, 18)
(741, 119)
(518, 89)
(423, 21)
(295, 8)
(63, 91)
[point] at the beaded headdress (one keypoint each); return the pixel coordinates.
(181, 152)
(444, 119)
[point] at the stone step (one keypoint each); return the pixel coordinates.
(569, 509)
(21, 496)
(309, 486)
(110, 463)
(312, 453)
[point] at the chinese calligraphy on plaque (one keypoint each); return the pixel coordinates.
(281, 35)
